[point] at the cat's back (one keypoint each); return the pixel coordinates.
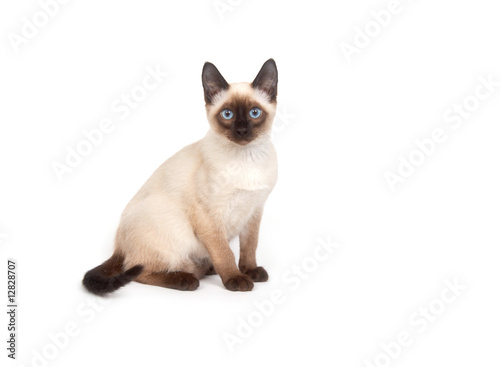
(174, 176)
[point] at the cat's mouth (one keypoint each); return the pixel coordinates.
(241, 135)
(241, 140)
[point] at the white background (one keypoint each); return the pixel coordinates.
(347, 124)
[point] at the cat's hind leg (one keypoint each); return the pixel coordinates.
(185, 277)
(179, 280)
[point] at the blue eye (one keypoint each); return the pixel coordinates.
(227, 114)
(255, 112)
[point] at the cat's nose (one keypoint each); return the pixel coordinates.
(242, 131)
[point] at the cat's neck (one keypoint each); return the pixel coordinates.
(216, 146)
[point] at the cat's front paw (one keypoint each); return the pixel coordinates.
(259, 274)
(239, 283)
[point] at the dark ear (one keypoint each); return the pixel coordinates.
(267, 79)
(213, 81)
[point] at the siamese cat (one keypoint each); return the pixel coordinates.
(177, 228)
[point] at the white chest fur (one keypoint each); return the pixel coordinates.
(236, 179)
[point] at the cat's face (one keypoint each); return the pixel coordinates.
(242, 112)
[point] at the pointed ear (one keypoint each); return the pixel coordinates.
(267, 79)
(213, 82)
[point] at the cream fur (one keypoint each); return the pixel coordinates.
(226, 181)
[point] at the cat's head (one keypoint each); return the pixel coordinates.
(242, 112)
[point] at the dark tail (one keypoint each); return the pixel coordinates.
(109, 276)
